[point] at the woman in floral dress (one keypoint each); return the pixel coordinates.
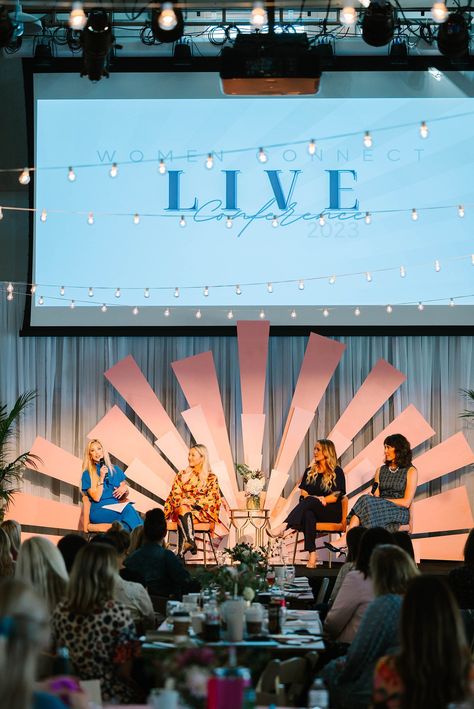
(194, 498)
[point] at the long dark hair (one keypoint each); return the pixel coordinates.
(369, 540)
(434, 662)
(403, 452)
(469, 548)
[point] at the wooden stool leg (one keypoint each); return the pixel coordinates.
(295, 548)
(204, 547)
(213, 550)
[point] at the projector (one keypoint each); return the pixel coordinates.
(270, 64)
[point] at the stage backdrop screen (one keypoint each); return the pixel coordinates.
(189, 208)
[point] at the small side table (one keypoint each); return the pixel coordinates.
(255, 521)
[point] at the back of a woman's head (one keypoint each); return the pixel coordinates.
(23, 633)
(434, 662)
(69, 546)
(154, 527)
(353, 537)
(391, 569)
(93, 576)
(41, 564)
(403, 540)
(119, 537)
(13, 530)
(369, 540)
(136, 539)
(7, 567)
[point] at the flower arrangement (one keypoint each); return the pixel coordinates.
(191, 669)
(254, 482)
(245, 577)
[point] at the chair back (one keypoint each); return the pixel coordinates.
(339, 526)
(87, 525)
(322, 590)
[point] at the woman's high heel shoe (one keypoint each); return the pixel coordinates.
(279, 532)
(336, 550)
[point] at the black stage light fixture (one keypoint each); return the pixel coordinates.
(398, 53)
(453, 36)
(167, 23)
(97, 40)
(378, 24)
(6, 28)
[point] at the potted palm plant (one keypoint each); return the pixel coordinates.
(11, 471)
(468, 413)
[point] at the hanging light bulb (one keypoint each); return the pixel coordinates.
(368, 218)
(414, 215)
(40, 300)
(1, 213)
(368, 142)
(77, 17)
(9, 296)
(10, 288)
(62, 290)
(293, 314)
(261, 314)
(229, 222)
(182, 222)
(113, 172)
(439, 12)
(176, 292)
(424, 132)
(71, 175)
(167, 19)
(103, 308)
(258, 16)
(420, 306)
(146, 293)
(451, 303)
(44, 215)
(322, 220)
(357, 312)
(166, 312)
(198, 314)
(332, 279)
(117, 293)
(230, 315)
(348, 15)
(206, 291)
(33, 288)
(461, 211)
(262, 156)
(437, 266)
(403, 272)
(90, 292)
(368, 277)
(301, 285)
(311, 147)
(24, 178)
(135, 310)
(136, 219)
(209, 161)
(90, 218)
(72, 305)
(238, 290)
(326, 313)
(274, 221)
(389, 309)
(270, 287)
(162, 167)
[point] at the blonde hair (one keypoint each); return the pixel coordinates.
(7, 567)
(88, 465)
(93, 577)
(13, 529)
(136, 539)
(391, 569)
(206, 466)
(24, 633)
(41, 564)
(330, 464)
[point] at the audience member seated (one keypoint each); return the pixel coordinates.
(356, 591)
(24, 633)
(403, 540)
(136, 539)
(461, 579)
(97, 630)
(353, 538)
(7, 567)
(349, 678)
(129, 594)
(41, 564)
(165, 574)
(69, 546)
(433, 668)
(13, 529)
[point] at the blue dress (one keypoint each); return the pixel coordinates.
(129, 517)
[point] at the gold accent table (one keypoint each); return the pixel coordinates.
(254, 521)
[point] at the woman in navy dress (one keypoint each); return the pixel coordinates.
(322, 487)
(105, 484)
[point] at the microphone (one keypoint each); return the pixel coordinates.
(374, 487)
(101, 463)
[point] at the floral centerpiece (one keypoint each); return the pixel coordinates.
(191, 669)
(245, 577)
(254, 482)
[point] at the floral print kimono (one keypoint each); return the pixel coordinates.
(206, 498)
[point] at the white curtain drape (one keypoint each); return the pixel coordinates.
(73, 394)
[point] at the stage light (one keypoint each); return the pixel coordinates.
(176, 292)
(230, 315)
(90, 292)
(311, 147)
(367, 218)
(72, 305)
(44, 215)
(103, 308)
(357, 312)
(206, 291)
(332, 279)
(136, 219)
(270, 287)
(10, 287)
(62, 290)
(414, 215)
(229, 222)
(166, 312)
(209, 161)
(24, 178)
(146, 293)
(117, 293)
(439, 12)
(77, 17)
(378, 24)
(389, 309)
(398, 53)
(113, 172)
(162, 167)
(293, 314)
(348, 16)
(40, 300)
(451, 303)
(461, 211)
(424, 132)
(420, 306)
(33, 288)
(261, 314)
(368, 142)
(326, 313)
(135, 310)
(9, 296)
(167, 23)
(258, 16)
(321, 220)
(274, 221)
(301, 285)
(238, 290)
(71, 175)
(97, 40)
(198, 314)
(453, 36)
(182, 222)
(262, 156)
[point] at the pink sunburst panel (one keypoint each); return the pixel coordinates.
(449, 455)
(42, 512)
(252, 339)
(198, 379)
(443, 512)
(449, 547)
(198, 424)
(142, 475)
(253, 427)
(378, 386)
(141, 502)
(296, 429)
(125, 442)
(174, 448)
(56, 462)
